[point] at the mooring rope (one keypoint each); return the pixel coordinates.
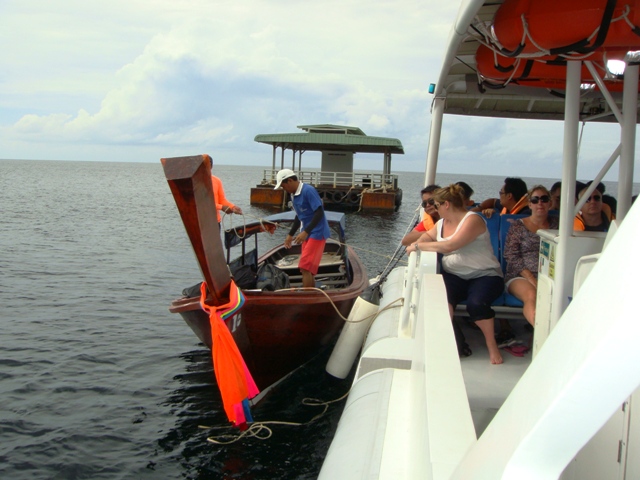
(261, 431)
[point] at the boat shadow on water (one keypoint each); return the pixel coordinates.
(293, 449)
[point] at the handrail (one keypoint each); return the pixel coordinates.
(339, 179)
(411, 287)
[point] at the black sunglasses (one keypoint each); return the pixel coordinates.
(431, 202)
(595, 198)
(542, 198)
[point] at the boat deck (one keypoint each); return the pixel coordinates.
(489, 385)
(331, 271)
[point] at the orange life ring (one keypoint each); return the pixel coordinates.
(566, 26)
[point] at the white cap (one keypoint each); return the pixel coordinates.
(283, 175)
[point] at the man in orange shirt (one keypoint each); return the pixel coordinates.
(429, 220)
(221, 200)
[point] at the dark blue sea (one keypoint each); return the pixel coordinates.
(97, 379)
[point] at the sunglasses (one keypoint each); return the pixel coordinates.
(431, 202)
(542, 198)
(595, 198)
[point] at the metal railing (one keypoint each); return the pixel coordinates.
(339, 179)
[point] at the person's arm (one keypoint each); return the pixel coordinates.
(472, 227)
(294, 228)
(430, 236)
(487, 204)
(413, 235)
(225, 205)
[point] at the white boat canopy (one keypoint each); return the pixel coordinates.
(578, 94)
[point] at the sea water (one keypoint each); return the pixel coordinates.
(97, 379)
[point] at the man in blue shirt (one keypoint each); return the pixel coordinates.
(315, 228)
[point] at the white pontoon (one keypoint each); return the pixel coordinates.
(415, 409)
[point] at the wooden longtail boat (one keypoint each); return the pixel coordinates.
(276, 331)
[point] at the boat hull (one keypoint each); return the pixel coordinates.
(277, 332)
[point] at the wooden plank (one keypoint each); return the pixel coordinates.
(190, 181)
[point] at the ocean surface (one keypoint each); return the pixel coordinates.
(97, 379)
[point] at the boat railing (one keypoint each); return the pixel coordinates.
(368, 180)
(419, 264)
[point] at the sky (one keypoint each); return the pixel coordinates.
(138, 80)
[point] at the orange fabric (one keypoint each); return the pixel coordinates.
(233, 377)
(219, 196)
(522, 203)
(428, 223)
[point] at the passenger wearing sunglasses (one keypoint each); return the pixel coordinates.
(470, 270)
(521, 250)
(594, 216)
(428, 220)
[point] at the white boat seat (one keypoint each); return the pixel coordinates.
(587, 262)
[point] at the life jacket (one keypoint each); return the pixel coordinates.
(522, 203)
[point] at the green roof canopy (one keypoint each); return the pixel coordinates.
(331, 137)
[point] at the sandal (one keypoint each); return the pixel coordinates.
(517, 350)
(464, 351)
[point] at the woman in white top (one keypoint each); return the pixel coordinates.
(470, 270)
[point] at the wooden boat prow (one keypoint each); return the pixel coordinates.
(190, 181)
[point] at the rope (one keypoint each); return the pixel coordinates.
(261, 431)
(244, 223)
(310, 289)
(397, 256)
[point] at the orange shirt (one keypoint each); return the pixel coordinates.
(218, 195)
(426, 224)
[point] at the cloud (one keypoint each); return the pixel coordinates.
(137, 80)
(206, 82)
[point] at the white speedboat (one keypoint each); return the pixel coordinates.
(566, 409)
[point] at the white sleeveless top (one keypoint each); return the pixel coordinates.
(475, 259)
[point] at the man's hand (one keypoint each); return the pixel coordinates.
(301, 237)
(287, 241)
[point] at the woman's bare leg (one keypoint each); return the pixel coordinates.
(526, 293)
(486, 326)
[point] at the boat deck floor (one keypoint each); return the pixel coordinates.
(489, 385)
(291, 261)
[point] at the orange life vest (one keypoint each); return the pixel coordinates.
(522, 203)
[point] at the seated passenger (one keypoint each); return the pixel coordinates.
(470, 270)
(522, 247)
(429, 219)
(513, 199)
(594, 216)
(468, 193)
(555, 196)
